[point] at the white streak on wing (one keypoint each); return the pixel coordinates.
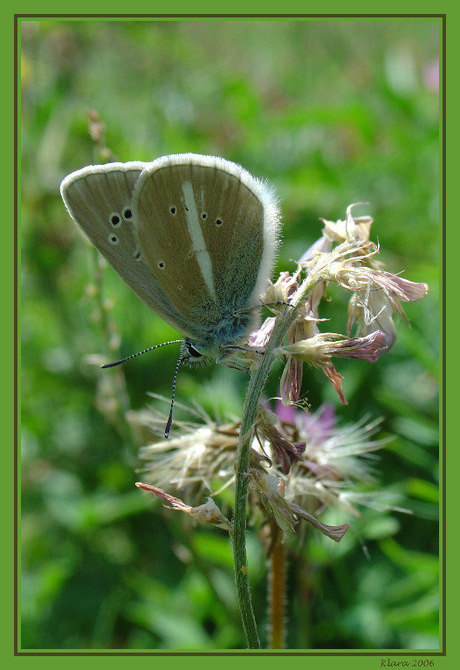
(196, 235)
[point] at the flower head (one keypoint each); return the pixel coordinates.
(376, 295)
(300, 464)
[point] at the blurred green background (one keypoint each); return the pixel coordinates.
(331, 112)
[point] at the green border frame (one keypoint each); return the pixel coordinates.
(204, 9)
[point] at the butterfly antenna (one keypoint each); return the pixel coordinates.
(139, 353)
(169, 422)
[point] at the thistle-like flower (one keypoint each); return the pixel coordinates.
(300, 463)
(376, 297)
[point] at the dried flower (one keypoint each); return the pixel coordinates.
(208, 513)
(276, 505)
(266, 430)
(197, 454)
(353, 229)
(376, 296)
(299, 463)
(318, 350)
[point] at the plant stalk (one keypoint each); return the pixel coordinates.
(277, 588)
(256, 385)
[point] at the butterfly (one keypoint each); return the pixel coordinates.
(194, 236)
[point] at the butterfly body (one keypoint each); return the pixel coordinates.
(194, 236)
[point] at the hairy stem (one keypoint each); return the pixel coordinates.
(256, 385)
(277, 588)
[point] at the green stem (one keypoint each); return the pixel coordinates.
(277, 588)
(256, 385)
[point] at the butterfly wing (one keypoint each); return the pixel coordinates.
(98, 198)
(208, 230)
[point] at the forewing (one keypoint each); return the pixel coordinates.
(98, 198)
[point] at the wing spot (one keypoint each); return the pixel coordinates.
(219, 222)
(137, 255)
(173, 210)
(128, 214)
(113, 239)
(161, 265)
(204, 216)
(115, 219)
